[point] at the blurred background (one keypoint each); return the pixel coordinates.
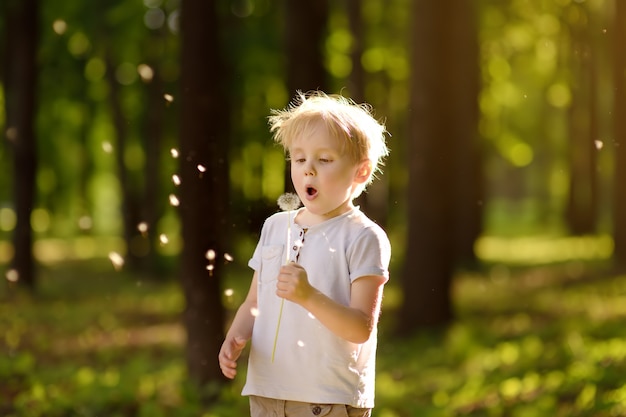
(137, 169)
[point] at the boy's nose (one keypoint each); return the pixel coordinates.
(309, 170)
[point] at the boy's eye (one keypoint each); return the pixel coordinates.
(325, 160)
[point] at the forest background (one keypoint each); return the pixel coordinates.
(137, 169)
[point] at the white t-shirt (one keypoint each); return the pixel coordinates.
(311, 363)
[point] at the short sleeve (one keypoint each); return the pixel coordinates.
(370, 253)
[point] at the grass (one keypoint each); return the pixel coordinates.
(541, 341)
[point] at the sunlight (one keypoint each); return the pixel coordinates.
(40, 220)
(145, 72)
(142, 228)
(12, 275)
(117, 260)
(543, 249)
(6, 252)
(59, 26)
(174, 200)
(8, 219)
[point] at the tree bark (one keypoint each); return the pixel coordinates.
(619, 120)
(204, 187)
(305, 33)
(583, 191)
(20, 83)
(444, 174)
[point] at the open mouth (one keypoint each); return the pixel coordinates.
(311, 191)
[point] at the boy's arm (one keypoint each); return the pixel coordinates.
(240, 332)
(355, 322)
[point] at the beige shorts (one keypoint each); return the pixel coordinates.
(269, 407)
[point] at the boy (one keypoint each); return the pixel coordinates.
(317, 355)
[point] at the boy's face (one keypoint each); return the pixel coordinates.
(323, 175)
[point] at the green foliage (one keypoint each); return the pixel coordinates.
(546, 341)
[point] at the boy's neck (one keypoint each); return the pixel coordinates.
(306, 218)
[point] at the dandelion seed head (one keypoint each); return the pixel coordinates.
(210, 267)
(289, 201)
(176, 179)
(168, 97)
(210, 255)
(163, 239)
(228, 257)
(201, 168)
(174, 152)
(174, 201)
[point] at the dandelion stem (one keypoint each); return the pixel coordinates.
(287, 202)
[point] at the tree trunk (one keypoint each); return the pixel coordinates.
(305, 34)
(619, 119)
(20, 83)
(443, 165)
(464, 88)
(204, 187)
(582, 200)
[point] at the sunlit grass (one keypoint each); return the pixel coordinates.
(542, 341)
(539, 250)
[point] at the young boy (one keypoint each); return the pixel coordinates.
(313, 320)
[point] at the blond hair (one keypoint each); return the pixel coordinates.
(362, 136)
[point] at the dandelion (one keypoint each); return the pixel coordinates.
(287, 202)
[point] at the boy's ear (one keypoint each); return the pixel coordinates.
(364, 172)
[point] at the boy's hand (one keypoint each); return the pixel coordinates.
(229, 353)
(293, 283)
